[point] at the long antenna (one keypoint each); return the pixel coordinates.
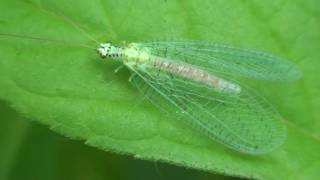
(68, 20)
(44, 39)
(79, 28)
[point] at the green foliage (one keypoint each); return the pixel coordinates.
(75, 93)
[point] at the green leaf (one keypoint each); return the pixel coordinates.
(72, 91)
(22, 142)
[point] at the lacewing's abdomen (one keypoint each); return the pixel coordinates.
(195, 74)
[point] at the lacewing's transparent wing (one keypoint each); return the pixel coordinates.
(244, 121)
(225, 59)
(241, 120)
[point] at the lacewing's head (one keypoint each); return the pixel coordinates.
(104, 49)
(110, 51)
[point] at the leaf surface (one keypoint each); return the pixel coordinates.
(76, 94)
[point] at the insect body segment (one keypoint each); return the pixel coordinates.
(108, 50)
(197, 75)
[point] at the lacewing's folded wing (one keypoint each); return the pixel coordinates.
(225, 59)
(244, 122)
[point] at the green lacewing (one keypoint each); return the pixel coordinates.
(194, 80)
(192, 76)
